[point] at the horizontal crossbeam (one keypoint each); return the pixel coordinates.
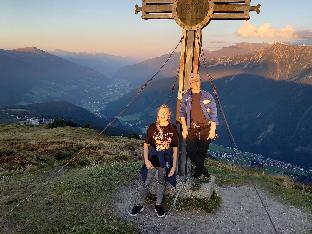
(166, 8)
(229, 1)
(230, 8)
(158, 16)
(233, 11)
(155, 9)
(222, 9)
(230, 16)
(158, 1)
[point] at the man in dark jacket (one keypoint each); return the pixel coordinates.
(199, 119)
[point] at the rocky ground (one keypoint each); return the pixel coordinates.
(240, 212)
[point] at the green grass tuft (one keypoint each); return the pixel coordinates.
(203, 204)
(77, 201)
(282, 187)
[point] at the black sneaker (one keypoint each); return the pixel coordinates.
(136, 209)
(196, 185)
(159, 211)
(205, 178)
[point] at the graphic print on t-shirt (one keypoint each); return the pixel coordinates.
(162, 137)
(162, 140)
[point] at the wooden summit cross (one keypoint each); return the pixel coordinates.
(193, 16)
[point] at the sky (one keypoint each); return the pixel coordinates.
(110, 26)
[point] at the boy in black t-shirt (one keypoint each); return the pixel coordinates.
(160, 154)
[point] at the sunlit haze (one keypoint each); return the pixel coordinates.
(103, 26)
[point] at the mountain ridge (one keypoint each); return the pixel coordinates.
(31, 75)
(267, 60)
(106, 64)
(31, 49)
(278, 62)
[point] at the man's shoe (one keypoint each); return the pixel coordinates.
(196, 184)
(159, 211)
(136, 209)
(205, 178)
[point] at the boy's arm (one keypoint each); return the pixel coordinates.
(148, 164)
(175, 157)
(145, 152)
(174, 164)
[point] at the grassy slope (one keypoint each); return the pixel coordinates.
(78, 200)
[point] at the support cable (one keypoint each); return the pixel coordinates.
(233, 142)
(75, 158)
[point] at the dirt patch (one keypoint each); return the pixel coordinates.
(240, 212)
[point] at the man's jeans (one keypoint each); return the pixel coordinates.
(196, 147)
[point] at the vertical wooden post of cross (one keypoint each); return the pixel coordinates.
(189, 63)
(193, 16)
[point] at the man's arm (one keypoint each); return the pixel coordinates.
(183, 107)
(183, 117)
(184, 127)
(213, 127)
(214, 111)
(213, 117)
(148, 164)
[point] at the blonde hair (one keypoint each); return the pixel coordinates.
(163, 106)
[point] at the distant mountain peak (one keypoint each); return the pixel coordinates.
(34, 50)
(278, 61)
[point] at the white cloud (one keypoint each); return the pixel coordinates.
(267, 32)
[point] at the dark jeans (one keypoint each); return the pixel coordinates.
(196, 147)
